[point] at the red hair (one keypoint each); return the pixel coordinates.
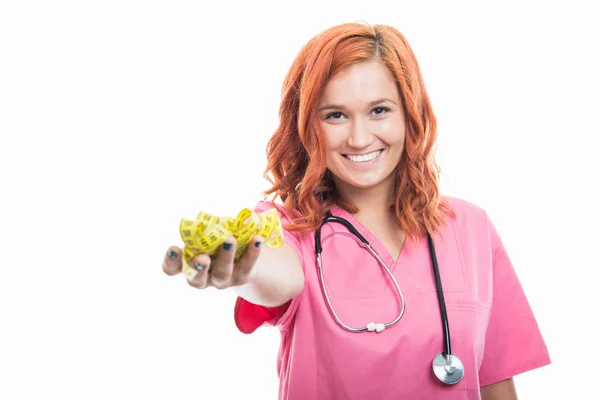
(296, 152)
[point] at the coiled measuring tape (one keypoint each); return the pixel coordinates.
(207, 232)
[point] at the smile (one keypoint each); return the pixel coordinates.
(363, 157)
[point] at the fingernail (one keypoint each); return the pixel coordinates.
(173, 254)
(199, 266)
(227, 246)
(257, 244)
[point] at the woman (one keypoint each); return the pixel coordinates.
(355, 141)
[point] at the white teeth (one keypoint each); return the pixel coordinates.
(365, 157)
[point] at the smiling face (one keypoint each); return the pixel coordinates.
(362, 118)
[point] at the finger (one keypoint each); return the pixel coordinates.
(172, 261)
(222, 269)
(246, 263)
(201, 263)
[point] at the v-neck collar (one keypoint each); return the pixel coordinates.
(407, 252)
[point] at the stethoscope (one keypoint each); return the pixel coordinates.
(446, 366)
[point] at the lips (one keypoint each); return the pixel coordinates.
(363, 157)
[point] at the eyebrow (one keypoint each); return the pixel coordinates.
(371, 104)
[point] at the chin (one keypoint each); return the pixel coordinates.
(358, 183)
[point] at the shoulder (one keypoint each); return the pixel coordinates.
(286, 217)
(472, 220)
(284, 214)
(465, 210)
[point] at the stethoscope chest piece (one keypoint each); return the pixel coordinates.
(448, 369)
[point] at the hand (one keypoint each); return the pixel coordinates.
(224, 272)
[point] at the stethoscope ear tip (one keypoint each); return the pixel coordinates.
(448, 368)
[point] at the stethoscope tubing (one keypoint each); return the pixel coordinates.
(440, 296)
(365, 243)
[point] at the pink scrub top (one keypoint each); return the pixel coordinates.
(492, 327)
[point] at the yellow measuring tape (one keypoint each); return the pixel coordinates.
(207, 232)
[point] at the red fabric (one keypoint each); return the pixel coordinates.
(249, 317)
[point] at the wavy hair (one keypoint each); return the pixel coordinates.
(296, 152)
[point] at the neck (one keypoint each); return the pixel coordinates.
(373, 203)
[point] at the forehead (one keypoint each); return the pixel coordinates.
(363, 82)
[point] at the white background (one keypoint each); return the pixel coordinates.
(118, 118)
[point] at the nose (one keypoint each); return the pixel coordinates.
(360, 136)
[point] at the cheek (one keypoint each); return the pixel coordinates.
(334, 136)
(332, 143)
(392, 132)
